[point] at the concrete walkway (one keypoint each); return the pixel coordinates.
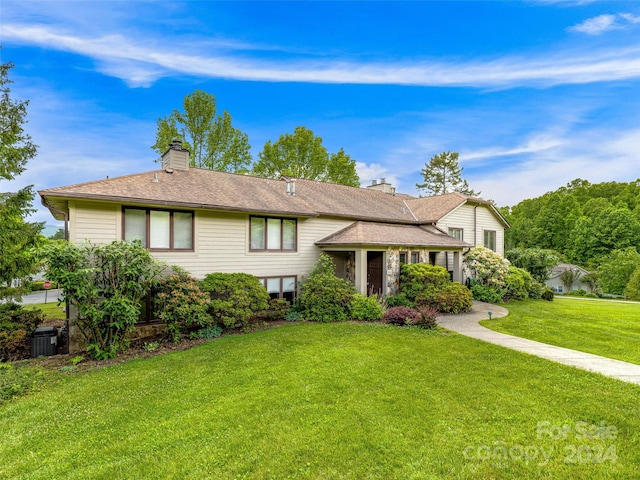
(467, 324)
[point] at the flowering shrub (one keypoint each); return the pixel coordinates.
(487, 267)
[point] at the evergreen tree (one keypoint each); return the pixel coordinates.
(17, 236)
(443, 175)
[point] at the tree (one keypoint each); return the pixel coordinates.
(18, 238)
(211, 139)
(617, 268)
(302, 155)
(443, 175)
(632, 290)
(538, 262)
(568, 277)
(59, 235)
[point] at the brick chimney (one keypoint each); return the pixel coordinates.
(176, 157)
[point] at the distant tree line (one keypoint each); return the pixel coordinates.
(596, 226)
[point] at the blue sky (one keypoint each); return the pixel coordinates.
(532, 94)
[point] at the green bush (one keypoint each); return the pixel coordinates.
(536, 290)
(235, 298)
(417, 278)
(367, 309)
(106, 283)
(519, 283)
(547, 294)
(16, 381)
(581, 292)
(277, 310)
(398, 300)
(401, 316)
(181, 304)
(453, 298)
(213, 331)
(16, 326)
(323, 296)
(485, 293)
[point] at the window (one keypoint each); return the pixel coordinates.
(274, 234)
(456, 233)
(415, 257)
(490, 239)
(159, 229)
(280, 287)
(403, 257)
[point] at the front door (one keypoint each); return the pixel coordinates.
(374, 273)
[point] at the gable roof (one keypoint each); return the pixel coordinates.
(214, 190)
(373, 233)
(561, 267)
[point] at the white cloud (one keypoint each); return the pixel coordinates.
(605, 23)
(142, 63)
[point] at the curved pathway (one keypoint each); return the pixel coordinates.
(467, 324)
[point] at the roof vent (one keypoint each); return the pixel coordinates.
(155, 178)
(168, 170)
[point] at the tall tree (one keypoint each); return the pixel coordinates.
(443, 175)
(302, 155)
(211, 139)
(17, 236)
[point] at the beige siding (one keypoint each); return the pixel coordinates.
(97, 222)
(221, 242)
(463, 217)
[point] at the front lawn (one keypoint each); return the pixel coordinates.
(327, 401)
(606, 328)
(51, 310)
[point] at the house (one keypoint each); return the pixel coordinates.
(555, 281)
(208, 221)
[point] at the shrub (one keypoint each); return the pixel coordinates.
(398, 300)
(277, 310)
(632, 290)
(484, 293)
(181, 304)
(487, 267)
(428, 316)
(106, 283)
(367, 309)
(417, 278)
(16, 326)
(293, 315)
(518, 282)
(213, 331)
(401, 316)
(536, 290)
(581, 292)
(453, 298)
(547, 294)
(235, 297)
(323, 296)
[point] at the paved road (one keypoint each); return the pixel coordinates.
(467, 324)
(51, 296)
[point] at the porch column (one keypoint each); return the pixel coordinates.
(361, 271)
(457, 268)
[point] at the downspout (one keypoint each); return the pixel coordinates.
(475, 225)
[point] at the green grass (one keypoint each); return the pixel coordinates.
(50, 309)
(610, 329)
(326, 401)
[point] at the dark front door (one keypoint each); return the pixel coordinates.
(374, 272)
